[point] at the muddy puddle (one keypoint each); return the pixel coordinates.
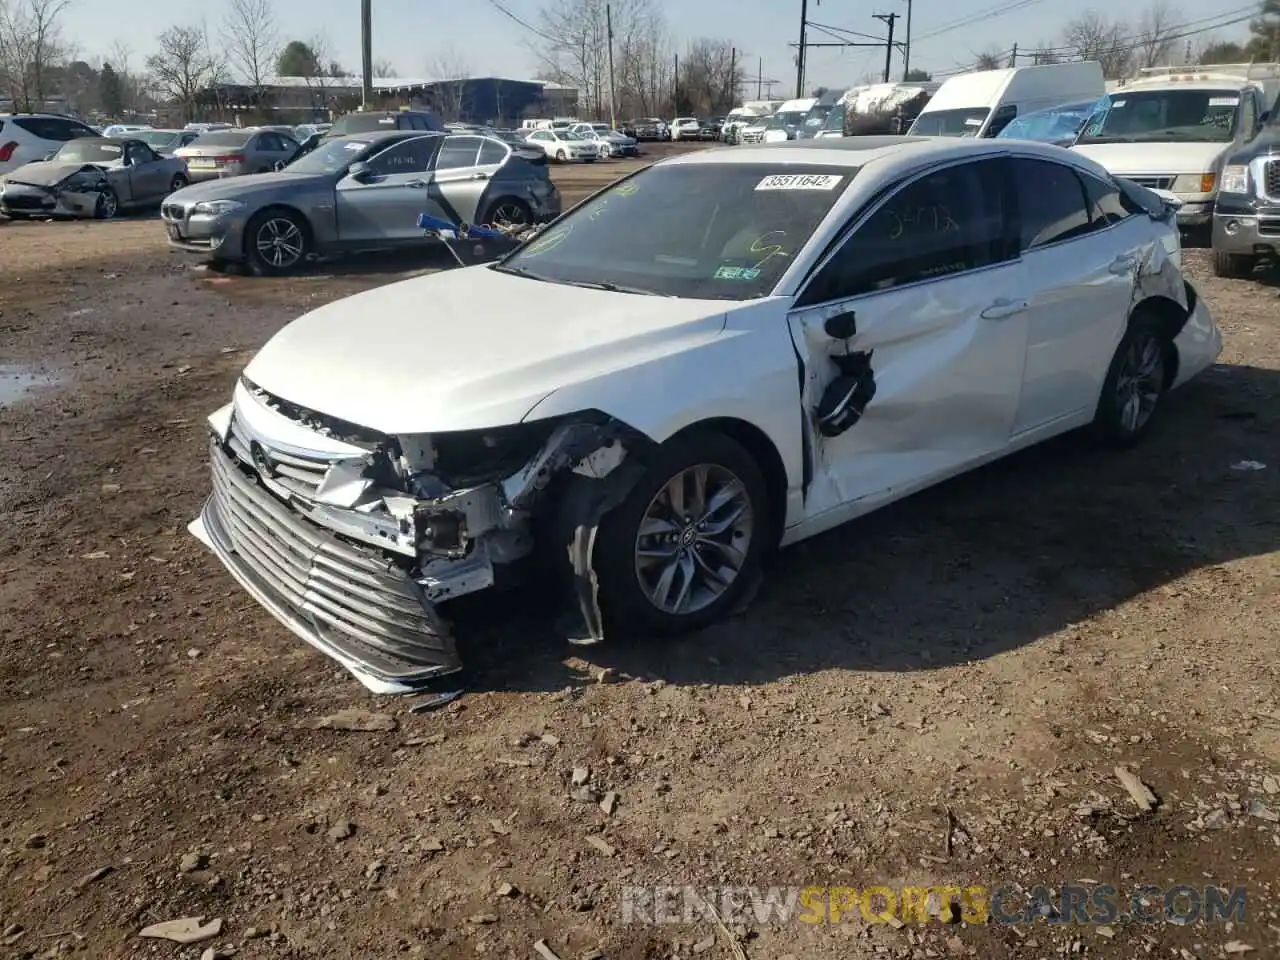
(16, 382)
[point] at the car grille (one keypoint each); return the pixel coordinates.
(1152, 182)
(173, 211)
(299, 475)
(1271, 177)
(350, 600)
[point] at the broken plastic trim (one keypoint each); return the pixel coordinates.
(846, 397)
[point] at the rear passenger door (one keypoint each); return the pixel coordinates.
(1082, 250)
(465, 168)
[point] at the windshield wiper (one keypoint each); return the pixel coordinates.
(588, 284)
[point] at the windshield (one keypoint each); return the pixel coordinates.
(86, 151)
(1049, 126)
(816, 116)
(712, 231)
(569, 135)
(1153, 116)
(230, 138)
(834, 120)
(780, 121)
(157, 138)
(965, 122)
(331, 157)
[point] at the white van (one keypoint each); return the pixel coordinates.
(1173, 129)
(786, 122)
(981, 104)
(740, 117)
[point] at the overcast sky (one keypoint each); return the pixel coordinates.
(413, 34)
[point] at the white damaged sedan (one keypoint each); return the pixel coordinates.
(721, 354)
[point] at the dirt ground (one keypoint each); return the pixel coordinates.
(938, 694)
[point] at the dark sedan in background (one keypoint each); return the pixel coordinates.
(360, 193)
(647, 130)
(709, 129)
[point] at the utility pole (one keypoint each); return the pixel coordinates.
(889, 19)
(906, 46)
(804, 20)
(1013, 56)
(608, 20)
(676, 95)
(733, 77)
(759, 76)
(366, 53)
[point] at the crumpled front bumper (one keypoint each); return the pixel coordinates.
(348, 602)
(32, 201)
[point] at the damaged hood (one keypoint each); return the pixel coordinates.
(47, 173)
(1167, 159)
(469, 348)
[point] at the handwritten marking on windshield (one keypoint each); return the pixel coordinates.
(626, 190)
(931, 219)
(549, 242)
(770, 250)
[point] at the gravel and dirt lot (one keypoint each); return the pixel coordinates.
(939, 694)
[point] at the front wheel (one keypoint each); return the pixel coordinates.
(686, 544)
(1233, 266)
(1135, 384)
(107, 205)
(562, 156)
(177, 183)
(276, 242)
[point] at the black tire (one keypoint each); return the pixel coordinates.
(1233, 266)
(1114, 423)
(562, 157)
(107, 206)
(178, 182)
(625, 606)
(509, 210)
(293, 246)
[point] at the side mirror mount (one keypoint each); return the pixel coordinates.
(842, 326)
(359, 171)
(1263, 118)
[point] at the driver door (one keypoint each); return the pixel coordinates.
(931, 290)
(385, 202)
(147, 180)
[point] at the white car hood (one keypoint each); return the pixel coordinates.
(468, 348)
(1124, 159)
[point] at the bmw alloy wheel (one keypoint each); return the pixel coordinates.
(1141, 381)
(694, 539)
(280, 243)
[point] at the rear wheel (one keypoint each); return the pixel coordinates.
(686, 544)
(1234, 266)
(508, 211)
(1135, 383)
(177, 183)
(276, 242)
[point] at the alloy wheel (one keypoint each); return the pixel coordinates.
(280, 242)
(694, 539)
(511, 213)
(1140, 383)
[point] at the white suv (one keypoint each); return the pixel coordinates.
(27, 137)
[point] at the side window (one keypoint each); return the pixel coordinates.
(458, 152)
(945, 222)
(47, 128)
(492, 152)
(1051, 203)
(138, 154)
(415, 122)
(406, 156)
(79, 130)
(1107, 205)
(539, 136)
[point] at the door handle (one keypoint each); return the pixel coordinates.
(417, 184)
(479, 176)
(1004, 308)
(1123, 263)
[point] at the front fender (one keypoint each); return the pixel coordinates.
(747, 371)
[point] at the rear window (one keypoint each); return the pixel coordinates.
(723, 231)
(227, 138)
(362, 123)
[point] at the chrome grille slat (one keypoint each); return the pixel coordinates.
(352, 600)
(1271, 177)
(298, 474)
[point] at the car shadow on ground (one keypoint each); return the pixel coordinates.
(983, 564)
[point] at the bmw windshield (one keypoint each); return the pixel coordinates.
(332, 157)
(710, 231)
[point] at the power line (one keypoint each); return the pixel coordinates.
(978, 17)
(502, 9)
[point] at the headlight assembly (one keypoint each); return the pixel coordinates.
(1235, 179)
(216, 208)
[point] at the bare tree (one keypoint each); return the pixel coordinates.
(120, 56)
(989, 60)
(1157, 34)
(645, 64)
(252, 42)
(382, 67)
(708, 77)
(1092, 36)
(183, 68)
(450, 66)
(31, 45)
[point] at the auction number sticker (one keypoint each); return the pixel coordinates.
(1223, 101)
(800, 181)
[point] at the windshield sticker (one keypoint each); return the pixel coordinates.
(1223, 101)
(800, 181)
(355, 145)
(973, 121)
(737, 273)
(1118, 103)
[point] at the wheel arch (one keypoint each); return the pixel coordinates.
(767, 456)
(1171, 317)
(284, 207)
